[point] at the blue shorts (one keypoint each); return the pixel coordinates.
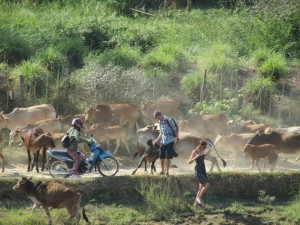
(166, 151)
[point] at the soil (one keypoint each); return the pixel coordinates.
(16, 165)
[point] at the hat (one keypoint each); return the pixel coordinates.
(156, 114)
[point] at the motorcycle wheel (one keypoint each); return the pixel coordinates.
(59, 169)
(108, 167)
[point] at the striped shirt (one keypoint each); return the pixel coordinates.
(166, 130)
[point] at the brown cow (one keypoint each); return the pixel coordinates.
(234, 127)
(151, 155)
(167, 106)
(233, 143)
(66, 121)
(109, 133)
(20, 117)
(51, 125)
(262, 151)
(54, 195)
(1, 155)
(125, 114)
(204, 125)
(287, 142)
(187, 143)
(102, 114)
(34, 140)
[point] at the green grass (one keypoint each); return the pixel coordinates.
(217, 210)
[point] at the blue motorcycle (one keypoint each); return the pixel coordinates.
(60, 163)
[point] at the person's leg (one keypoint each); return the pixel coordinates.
(167, 166)
(203, 190)
(76, 163)
(73, 155)
(162, 164)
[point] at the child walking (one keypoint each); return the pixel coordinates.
(198, 156)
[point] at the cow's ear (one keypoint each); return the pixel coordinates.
(30, 178)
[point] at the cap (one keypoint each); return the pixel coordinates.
(156, 114)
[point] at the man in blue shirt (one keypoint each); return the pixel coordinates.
(168, 132)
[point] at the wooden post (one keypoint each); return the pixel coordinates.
(270, 104)
(154, 82)
(21, 89)
(203, 86)
(47, 86)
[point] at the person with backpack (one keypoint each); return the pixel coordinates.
(74, 135)
(168, 133)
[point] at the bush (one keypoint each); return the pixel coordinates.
(13, 48)
(274, 67)
(53, 60)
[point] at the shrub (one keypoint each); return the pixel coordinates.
(13, 48)
(274, 67)
(53, 60)
(122, 56)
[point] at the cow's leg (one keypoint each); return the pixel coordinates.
(2, 160)
(44, 158)
(74, 212)
(29, 160)
(126, 144)
(257, 162)
(213, 163)
(140, 163)
(298, 157)
(48, 214)
(252, 164)
(117, 147)
(36, 161)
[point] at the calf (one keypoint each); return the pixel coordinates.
(53, 195)
(261, 151)
(1, 156)
(151, 155)
(106, 134)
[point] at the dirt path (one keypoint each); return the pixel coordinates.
(16, 165)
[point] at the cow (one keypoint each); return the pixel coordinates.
(187, 143)
(239, 128)
(106, 134)
(1, 155)
(262, 151)
(204, 125)
(20, 117)
(167, 106)
(50, 125)
(34, 140)
(150, 155)
(54, 195)
(66, 121)
(295, 129)
(102, 114)
(287, 142)
(125, 114)
(233, 143)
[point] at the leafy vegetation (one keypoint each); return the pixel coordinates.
(240, 45)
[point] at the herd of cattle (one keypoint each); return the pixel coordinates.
(35, 126)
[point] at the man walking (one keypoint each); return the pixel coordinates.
(168, 131)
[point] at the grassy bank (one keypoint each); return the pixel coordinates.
(157, 200)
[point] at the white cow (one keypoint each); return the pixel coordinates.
(20, 117)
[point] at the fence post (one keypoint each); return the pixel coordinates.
(203, 86)
(154, 82)
(21, 89)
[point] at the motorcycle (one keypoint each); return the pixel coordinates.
(60, 163)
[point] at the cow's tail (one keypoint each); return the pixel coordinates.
(85, 216)
(224, 162)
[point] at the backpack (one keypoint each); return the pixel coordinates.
(168, 122)
(65, 141)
